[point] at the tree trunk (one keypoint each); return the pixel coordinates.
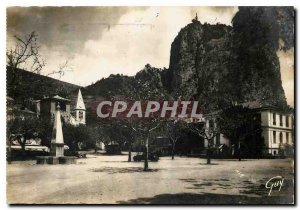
(129, 152)
(96, 149)
(239, 151)
(173, 151)
(23, 149)
(9, 152)
(208, 157)
(146, 156)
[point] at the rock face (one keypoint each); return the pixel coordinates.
(199, 61)
(256, 34)
(219, 64)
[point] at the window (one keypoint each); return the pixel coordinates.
(287, 138)
(80, 115)
(274, 152)
(280, 138)
(274, 137)
(287, 123)
(280, 120)
(274, 119)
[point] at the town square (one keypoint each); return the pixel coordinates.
(154, 105)
(113, 180)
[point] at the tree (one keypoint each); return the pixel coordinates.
(45, 129)
(23, 128)
(240, 124)
(98, 135)
(26, 53)
(128, 132)
(174, 130)
(76, 137)
(208, 131)
(144, 128)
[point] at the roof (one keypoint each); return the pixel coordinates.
(60, 98)
(254, 105)
(56, 97)
(80, 103)
(27, 111)
(259, 105)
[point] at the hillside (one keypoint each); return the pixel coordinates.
(23, 85)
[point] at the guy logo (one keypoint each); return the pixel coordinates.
(274, 182)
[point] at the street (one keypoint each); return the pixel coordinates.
(101, 179)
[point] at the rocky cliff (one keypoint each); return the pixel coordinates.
(200, 61)
(219, 64)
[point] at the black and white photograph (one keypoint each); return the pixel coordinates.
(159, 105)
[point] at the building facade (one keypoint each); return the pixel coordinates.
(277, 129)
(47, 106)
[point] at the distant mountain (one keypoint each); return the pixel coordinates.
(147, 84)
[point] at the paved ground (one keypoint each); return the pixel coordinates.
(111, 180)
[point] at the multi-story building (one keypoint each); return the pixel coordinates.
(277, 127)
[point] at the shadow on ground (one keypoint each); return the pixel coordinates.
(113, 170)
(211, 164)
(207, 199)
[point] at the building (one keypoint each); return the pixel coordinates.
(277, 127)
(80, 109)
(219, 139)
(46, 108)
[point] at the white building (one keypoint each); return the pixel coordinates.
(80, 109)
(277, 126)
(277, 129)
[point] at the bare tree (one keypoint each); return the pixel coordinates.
(145, 128)
(26, 54)
(208, 131)
(129, 132)
(62, 69)
(174, 130)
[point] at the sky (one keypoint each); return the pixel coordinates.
(99, 41)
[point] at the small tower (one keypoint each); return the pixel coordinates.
(195, 20)
(80, 109)
(57, 142)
